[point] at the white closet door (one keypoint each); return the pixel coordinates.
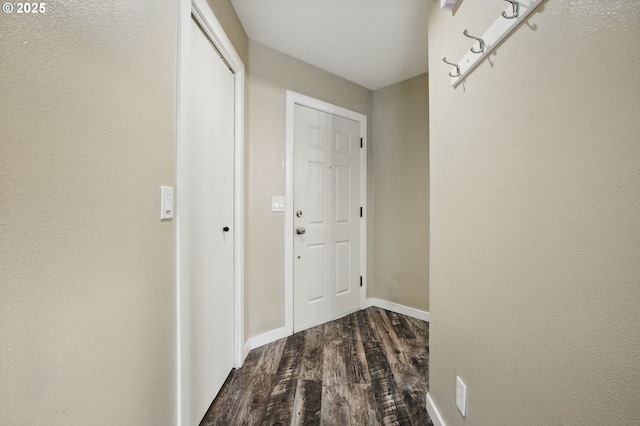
(207, 221)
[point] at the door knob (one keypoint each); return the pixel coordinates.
(225, 229)
(300, 231)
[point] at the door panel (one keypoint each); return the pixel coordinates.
(315, 282)
(342, 194)
(343, 266)
(327, 192)
(315, 181)
(207, 208)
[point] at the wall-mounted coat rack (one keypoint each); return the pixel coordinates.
(515, 13)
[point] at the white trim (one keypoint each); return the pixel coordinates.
(434, 414)
(293, 98)
(207, 20)
(282, 332)
(268, 337)
(397, 308)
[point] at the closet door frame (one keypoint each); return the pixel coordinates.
(202, 13)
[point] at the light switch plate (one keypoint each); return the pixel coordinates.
(461, 396)
(166, 202)
(277, 204)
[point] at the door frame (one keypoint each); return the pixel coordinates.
(210, 25)
(293, 99)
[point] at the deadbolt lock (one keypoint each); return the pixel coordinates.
(299, 213)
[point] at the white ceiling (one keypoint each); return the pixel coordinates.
(374, 43)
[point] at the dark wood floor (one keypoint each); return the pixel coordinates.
(368, 368)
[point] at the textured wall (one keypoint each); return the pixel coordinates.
(87, 293)
(401, 193)
(271, 73)
(535, 188)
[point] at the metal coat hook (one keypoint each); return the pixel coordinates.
(516, 10)
(481, 41)
(454, 65)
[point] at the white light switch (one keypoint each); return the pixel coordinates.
(277, 204)
(166, 202)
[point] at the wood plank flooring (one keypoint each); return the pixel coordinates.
(368, 368)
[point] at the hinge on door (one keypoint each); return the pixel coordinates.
(361, 143)
(360, 211)
(360, 280)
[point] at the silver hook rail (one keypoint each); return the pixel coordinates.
(504, 25)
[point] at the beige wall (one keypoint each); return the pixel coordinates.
(226, 16)
(401, 193)
(87, 293)
(271, 73)
(535, 189)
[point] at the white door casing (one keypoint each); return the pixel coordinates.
(209, 199)
(326, 184)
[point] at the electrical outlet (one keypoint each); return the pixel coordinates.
(461, 396)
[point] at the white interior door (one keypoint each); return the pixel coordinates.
(326, 189)
(206, 226)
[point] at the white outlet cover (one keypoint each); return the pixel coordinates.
(277, 204)
(461, 396)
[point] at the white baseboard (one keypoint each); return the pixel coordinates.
(436, 418)
(399, 309)
(280, 333)
(268, 337)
